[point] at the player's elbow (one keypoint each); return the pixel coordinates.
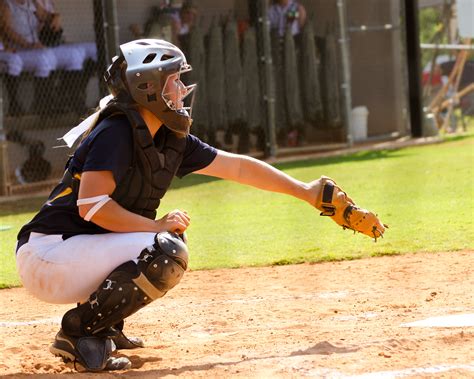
(84, 209)
(248, 168)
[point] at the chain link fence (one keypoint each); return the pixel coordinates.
(264, 82)
(49, 71)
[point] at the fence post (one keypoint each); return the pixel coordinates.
(412, 34)
(112, 29)
(106, 34)
(269, 88)
(99, 29)
(4, 183)
(346, 70)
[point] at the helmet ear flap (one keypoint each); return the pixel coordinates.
(115, 77)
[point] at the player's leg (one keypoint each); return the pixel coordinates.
(139, 276)
(40, 62)
(124, 291)
(68, 271)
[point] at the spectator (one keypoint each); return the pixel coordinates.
(285, 14)
(75, 74)
(21, 23)
(10, 63)
(188, 18)
(11, 67)
(51, 31)
(19, 27)
(163, 23)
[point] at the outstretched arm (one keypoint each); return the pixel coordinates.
(322, 193)
(250, 171)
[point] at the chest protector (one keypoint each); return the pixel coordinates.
(153, 165)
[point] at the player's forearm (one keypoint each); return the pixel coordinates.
(115, 218)
(11, 37)
(264, 176)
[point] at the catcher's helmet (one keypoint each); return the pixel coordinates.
(142, 75)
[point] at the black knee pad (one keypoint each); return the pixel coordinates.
(160, 273)
(130, 287)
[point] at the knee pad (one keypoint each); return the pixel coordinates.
(130, 287)
(160, 273)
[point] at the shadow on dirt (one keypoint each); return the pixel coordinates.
(321, 348)
(324, 348)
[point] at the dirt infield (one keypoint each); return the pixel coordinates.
(340, 319)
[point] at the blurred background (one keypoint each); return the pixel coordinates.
(275, 77)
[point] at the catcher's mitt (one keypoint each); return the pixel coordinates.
(332, 201)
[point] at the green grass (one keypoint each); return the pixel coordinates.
(424, 193)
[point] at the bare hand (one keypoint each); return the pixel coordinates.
(176, 221)
(36, 45)
(55, 22)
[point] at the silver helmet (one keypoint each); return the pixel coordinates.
(142, 75)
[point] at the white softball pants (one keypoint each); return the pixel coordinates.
(41, 62)
(10, 63)
(69, 271)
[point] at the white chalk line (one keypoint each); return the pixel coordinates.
(448, 321)
(413, 371)
(43, 321)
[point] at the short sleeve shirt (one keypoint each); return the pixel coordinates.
(109, 147)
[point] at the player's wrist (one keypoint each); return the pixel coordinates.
(159, 226)
(306, 193)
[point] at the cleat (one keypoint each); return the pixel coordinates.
(88, 353)
(118, 363)
(123, 342)
(63, 347)
(120, 340)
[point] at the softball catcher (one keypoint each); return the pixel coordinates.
(96, 241)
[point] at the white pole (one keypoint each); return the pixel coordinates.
(346, 71)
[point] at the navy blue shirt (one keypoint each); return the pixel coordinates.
(109, 150)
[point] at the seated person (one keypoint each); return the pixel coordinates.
(19, 27)
(163, 22)
(11, 67)
(10, 63)
(77, 60)
(21, 23)
(188, 18)
(51, 34)
(51, 31)
(284, 14)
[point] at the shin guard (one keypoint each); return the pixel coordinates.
(130, 287)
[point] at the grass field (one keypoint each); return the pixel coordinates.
(425, 194)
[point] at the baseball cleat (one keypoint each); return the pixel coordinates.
(88, 353)
(123, 342)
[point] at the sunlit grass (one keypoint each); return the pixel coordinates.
(425, 194)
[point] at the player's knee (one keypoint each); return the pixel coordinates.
(131, 286)
(163, 264)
